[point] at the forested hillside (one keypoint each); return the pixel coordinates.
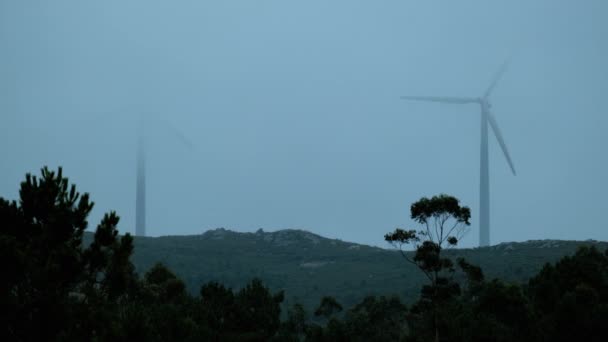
(308, 266)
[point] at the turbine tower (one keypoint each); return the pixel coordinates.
(140, 186)
(484, 170)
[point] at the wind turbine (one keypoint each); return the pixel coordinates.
(484, 170)
(140, 187)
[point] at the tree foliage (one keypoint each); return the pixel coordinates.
(571, 297)
(55, 288)
(50, 275)
(443, 222)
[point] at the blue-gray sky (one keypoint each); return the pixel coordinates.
(294, 111)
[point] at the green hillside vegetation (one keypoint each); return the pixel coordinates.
(308, 266)
(60, 284)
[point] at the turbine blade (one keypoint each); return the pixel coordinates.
(178, 134)
(497, 77)
(501, 141)
(459, 100)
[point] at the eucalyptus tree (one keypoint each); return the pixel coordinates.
(443, 223)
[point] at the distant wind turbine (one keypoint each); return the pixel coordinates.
(140, 187)
(486, 118)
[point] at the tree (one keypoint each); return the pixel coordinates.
(377, 319)
(218, 309)
(258, 311)
(500, 310)
(51, 283)
(444, 221)
(169, 309)
(295, 327)
(328, 306)
(571, 297)
(332, 329)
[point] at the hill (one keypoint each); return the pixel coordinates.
(308, 266)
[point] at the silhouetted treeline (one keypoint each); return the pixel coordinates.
(55, 289)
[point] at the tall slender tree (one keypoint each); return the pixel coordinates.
(444, 221)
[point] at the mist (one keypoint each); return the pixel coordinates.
(294, 115)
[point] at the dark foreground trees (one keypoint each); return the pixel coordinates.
(54, 288)
(570, 298)
(48, 277)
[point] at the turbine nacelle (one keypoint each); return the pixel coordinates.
(485, 104)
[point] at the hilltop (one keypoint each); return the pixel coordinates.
(308, 266)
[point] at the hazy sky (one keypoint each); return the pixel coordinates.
(294, 111)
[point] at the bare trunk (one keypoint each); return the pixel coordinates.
(436, 330)
(435, 318)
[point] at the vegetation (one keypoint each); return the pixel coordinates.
(307, 266)
(58, 287)
(436, 215)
